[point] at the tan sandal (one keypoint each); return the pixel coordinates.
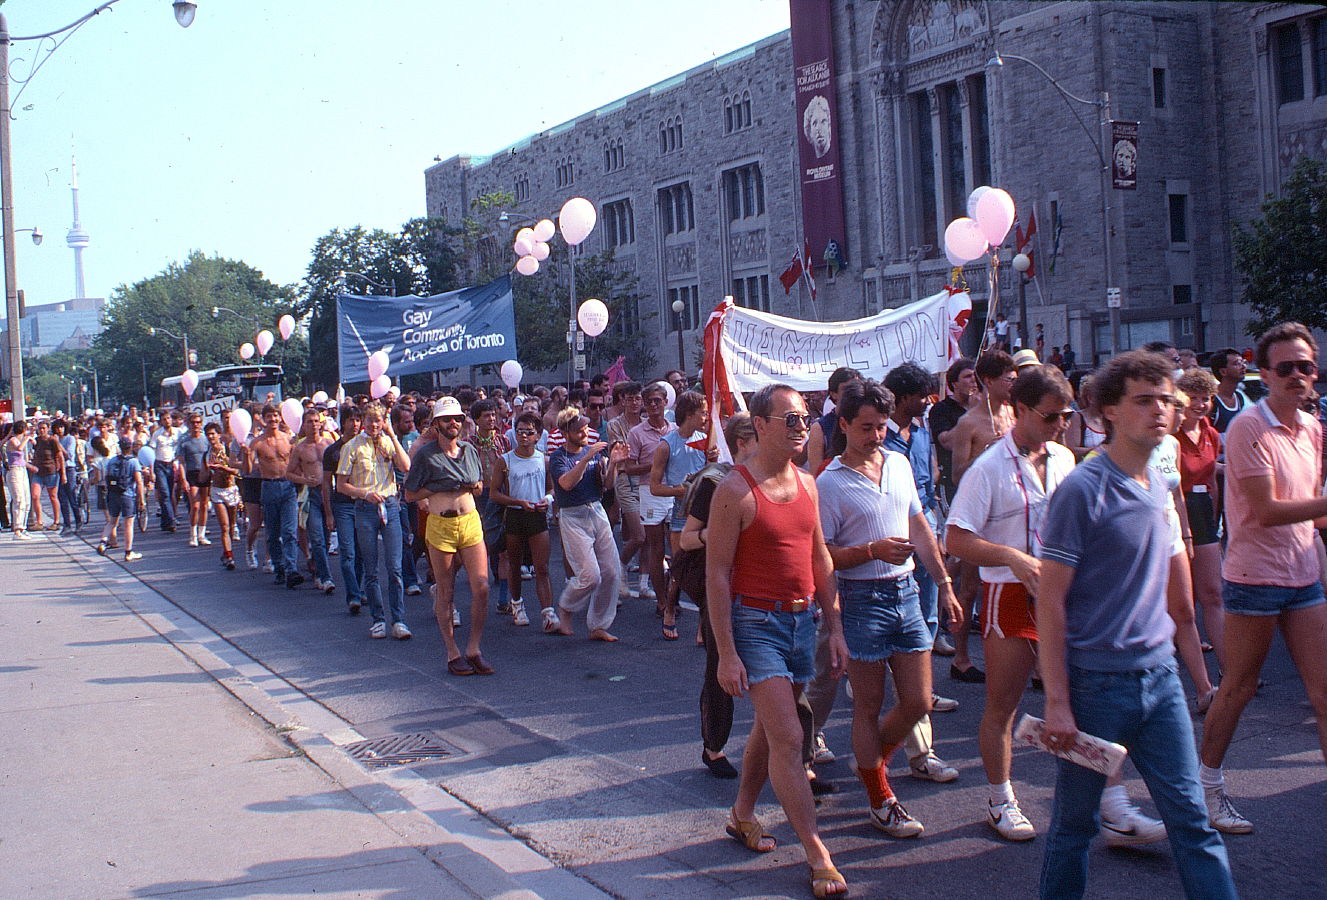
(750, 834)
(824, 879)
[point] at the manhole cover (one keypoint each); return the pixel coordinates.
(400, 750)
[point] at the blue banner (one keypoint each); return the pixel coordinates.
(469, 327)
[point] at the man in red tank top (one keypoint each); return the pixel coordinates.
(766, 551)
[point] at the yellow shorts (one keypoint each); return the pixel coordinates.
(452, 533)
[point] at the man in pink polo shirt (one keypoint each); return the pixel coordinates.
(1270, 576)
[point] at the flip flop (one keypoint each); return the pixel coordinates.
(480, 666)
(670, 632)
(459, 667)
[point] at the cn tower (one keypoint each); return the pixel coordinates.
(77, 238)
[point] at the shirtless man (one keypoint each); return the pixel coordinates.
(269, 453)
(305, 471)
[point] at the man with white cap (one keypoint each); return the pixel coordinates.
(1024, 358)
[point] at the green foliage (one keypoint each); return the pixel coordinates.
(180, 299)
(1283, 255)
(51, 381)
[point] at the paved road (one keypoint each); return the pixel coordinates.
(589, 752)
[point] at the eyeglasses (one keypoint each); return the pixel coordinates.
(793, 420)
(1305, 367)
(525, 432)
(1053, 417)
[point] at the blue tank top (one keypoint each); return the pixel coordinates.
(682, 460)
(525, 477)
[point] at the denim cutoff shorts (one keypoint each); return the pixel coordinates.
(47, 481)
(881, 617)
(775, 644)
(1268, 599)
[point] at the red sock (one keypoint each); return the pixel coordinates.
(877, 785)
(887, 752)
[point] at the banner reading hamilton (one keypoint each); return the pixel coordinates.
(469, 327)
(817, 117)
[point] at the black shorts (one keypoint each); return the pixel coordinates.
(251, 490)
(198, 477)
(524, 522)
(1202, 517)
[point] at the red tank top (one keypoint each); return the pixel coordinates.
(773, 559)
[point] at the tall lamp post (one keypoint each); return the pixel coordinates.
(96, 387)
(182, 338)
(184, 14)
(678, 307)
(1099, 142)
(389, 288)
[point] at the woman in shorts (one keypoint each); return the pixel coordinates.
(1200, 447)
(225, 496)
(522, 485)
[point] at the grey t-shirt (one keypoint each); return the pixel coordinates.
(192, 451)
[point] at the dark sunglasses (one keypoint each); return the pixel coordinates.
(792, 419)
(1051, 418)
(525, 432)
(1305, 367)
(653, 400)
(595, 406)
(456, 419)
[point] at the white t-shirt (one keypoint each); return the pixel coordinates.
(855, 510)
(1001, 499)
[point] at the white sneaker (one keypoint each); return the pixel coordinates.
(943, 646)
(646, 592)
(252, 559)
(520, 617)
(193, 539)
(932, 768)
(456, 617)
(333, 545)
(328, 587)
(132, 556)
(378, 630)
(268, 567)
(527, 573)
(688, 606)
(822, 753)
(202, 539)
(1222, 815)
(401, 632)
(942, 704)
(894, 820)
(317, 584)
(1009, 822)
(1124, 825)
(550, 620)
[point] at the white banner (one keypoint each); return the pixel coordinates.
(760, 348)
(211, 410)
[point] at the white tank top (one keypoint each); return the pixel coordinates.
(525, 477)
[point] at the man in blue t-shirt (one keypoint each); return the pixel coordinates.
(1107, 657)
(124, 494)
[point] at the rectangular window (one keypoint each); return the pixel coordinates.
(744, 192)
(981, 132)
(1181, 293)
(1158, 88)
(1289, 64)
(921, 123)
(690, 296)
(752, 292)
(619, 224)
(627, 321)
(676, 212)
(1179, 218)
(1319, 57)
(951, 130)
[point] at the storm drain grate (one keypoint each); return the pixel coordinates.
(400, 750)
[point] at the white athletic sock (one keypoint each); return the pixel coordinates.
(1002, 793)
(1211, 778)
(1114, 798)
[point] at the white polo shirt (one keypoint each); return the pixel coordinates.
(855, 510)
(1001, 499)
(163, 443)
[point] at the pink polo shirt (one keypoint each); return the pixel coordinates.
(1258, 444)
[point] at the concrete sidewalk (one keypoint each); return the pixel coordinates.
(130, 771)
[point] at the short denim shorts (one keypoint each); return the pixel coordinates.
(1268, 599)
(881, 617)
(775, 644)
(47, 481)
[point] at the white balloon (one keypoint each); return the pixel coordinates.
(320, 397)
(240, 424)
(527, 265)
(974, 197)
(540, 251)
(953, 260)
(995, 215)
(668, 391)
(189, 381)
(593, 317)
(292, 413)
(286, 326)
(964, 240)
(246, 350)
(511, 372)
(523, 246)
(380, 386)
(379, 363)
(577, 220)
(543, 230)
(265, 340)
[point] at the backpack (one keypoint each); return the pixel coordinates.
(116, 482)
(689, 565)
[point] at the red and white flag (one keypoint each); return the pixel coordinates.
(790, 275)
(807, 269)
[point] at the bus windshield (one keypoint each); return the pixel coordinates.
(259, 383)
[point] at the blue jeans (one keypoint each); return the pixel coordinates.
(369, 526)
(68, 508)
(165, 472)
(280, 518)
(315, 528)
(352, 570)
(407, 544)
(1145, 711)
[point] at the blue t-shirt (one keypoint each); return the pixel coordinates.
(1113, 532)
(125, 467)
(589, 489)
(917, 448)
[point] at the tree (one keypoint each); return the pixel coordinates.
(1283, 255)
(52, 382)
(132, 361)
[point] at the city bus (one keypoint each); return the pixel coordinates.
(225, 387)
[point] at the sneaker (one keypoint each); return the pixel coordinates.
(353, 607)
(252, 559)
(24, 536)
(503, 609)
(378, 630)
(894, 820)
(328, 587)
(413, 591)
(401, 632)
(626, 592)
(333, 545)
(268, 567)
(294, 581)
(1124, 825)
(101, 547)
(193, 540)
(131, 556)
(1222, 815)
(932, 768)
(550, 620)
(202, 539)
(943, 646)
(1009, 822)
(527, 573)
(823, 754)
(688, 606)
(646, 592)
(943, 704)
(317, 583)
(229, 563)
(520, 617)
(456, 617)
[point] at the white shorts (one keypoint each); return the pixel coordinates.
(654, 510)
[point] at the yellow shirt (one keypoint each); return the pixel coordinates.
(365, 467)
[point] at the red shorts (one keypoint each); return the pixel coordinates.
(1007, 611)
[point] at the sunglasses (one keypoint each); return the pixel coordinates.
(525, 432)
(793, 420)
(595, 406)
(1053, 417)
(455, 419)
(1305, 367)
(653, 400)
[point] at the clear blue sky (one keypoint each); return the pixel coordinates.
(269, 122)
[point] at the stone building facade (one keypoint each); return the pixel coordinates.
(695, 178)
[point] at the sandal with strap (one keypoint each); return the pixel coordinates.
(824, 879)
(750, 834)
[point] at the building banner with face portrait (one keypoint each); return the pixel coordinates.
(1124, 155)
(820, 170)
(469, 327)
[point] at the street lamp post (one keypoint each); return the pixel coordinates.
(182, 338)
(389, 288)
(678, 306)
(184, 14)
(96, 387)
(1099, 142)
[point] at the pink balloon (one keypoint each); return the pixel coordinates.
(246, 350)
(265, 340)
(379, 363)
(527, 234)
(292, 413)
(527, 265)
(241, 423)
(964, 240)
(320, 397)
(995, 215)
(974, 197)
(286, 326)
(543, 230)
(540, 251)
(189, 381)
(523, 247)
(953, 260)
(380, 386)
(577, 220)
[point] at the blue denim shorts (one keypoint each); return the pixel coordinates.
(1268, 599)
(775, 644)
(881, 617)
(47, 481)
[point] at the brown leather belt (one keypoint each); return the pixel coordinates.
(786, 606)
